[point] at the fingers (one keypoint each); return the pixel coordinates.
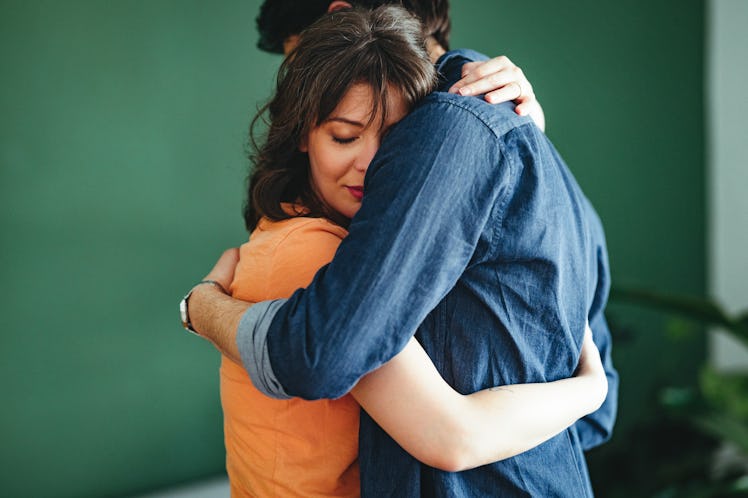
(223, 270)
(480, 81)
(510, 91)
(525, 107)
(500, 80)
(473, 71)
(483, 77)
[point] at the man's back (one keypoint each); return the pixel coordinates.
(518, 309)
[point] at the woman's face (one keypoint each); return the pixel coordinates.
(341, 147)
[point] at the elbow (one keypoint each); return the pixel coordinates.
(455, 459)
(451, 459)
(460, 449)
(448, 464)
(303, 373)
(317, 383)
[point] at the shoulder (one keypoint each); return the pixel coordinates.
(301, 228)
(449, 66)
(311, 238)
(285, 255)
(472, 113)
(499, 118)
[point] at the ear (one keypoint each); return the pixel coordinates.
(337, 5)
(304, 144)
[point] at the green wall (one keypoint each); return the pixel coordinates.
(122, 135)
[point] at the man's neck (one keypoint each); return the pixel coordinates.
(434, 49)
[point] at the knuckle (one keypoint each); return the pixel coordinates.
(483, 70)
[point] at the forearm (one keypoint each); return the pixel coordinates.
(406, 249)
(504, 421)
(215, 316)
(442, 428)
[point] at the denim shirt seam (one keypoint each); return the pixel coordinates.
(567, 435)
(470, 110)
(500, 209)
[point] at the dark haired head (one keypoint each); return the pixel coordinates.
(383, 49)
(279, 19)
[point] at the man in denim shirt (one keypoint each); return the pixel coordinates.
(474, 236)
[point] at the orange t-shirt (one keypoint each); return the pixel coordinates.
(286, 447)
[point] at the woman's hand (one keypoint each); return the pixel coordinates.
(223, 270)
(590, 367)
(501, 81)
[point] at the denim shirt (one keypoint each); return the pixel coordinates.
(474, 236)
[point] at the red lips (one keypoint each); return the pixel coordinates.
(357, 192)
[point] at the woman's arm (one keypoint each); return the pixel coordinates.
(440, 427)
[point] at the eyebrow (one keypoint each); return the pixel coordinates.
(347, 121)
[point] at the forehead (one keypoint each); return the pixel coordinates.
(358, 104)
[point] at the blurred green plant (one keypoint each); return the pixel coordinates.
(697, 445)
(701, 310)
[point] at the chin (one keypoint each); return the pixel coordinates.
(351, 213)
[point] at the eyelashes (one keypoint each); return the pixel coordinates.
(344, 141)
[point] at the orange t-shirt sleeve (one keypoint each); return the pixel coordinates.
(305, 249)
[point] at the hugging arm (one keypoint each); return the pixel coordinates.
(500, 80)
(410, 400)
(444, 429)
(363, 308)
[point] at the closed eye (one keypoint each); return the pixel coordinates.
(344, 140)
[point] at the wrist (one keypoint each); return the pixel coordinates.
(189, 306)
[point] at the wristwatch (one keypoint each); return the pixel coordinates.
(184, 308)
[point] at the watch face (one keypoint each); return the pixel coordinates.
(183, 312)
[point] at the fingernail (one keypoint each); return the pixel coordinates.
(464, 91)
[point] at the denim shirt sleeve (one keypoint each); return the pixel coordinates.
(251, 340)
(411, 240)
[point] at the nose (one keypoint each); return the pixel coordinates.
(366, 153)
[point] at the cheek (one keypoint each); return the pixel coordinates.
(328, 166)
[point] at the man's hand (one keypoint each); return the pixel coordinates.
(501, 81)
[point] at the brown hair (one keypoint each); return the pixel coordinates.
(382, 48)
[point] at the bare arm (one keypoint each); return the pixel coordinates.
(440, 427)
(214, 315)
